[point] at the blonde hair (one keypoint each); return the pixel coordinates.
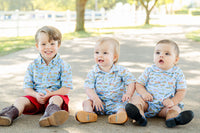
(170, 42)
(113, 42)
(52, 32)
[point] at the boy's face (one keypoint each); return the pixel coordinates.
(104, 56)
(48, 50)
(165, 56)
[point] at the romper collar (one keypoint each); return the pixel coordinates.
(171, 70)
(98, 70)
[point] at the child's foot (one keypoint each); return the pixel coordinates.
(182, 119)
(134, 113)
(118, 118)
(85, 117)
(7, 115)
(53, 116)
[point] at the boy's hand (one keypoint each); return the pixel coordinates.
(147, 96)
(97, 103)
(126, 97)
(168, 103)
(40, 98)
(48, 94)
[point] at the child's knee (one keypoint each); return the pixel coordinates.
(22, 100)
(87, 103)
(56, 99)
(137, 100)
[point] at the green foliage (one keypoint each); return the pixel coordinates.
(194, 35)
(183, 11)
(12, 44)
(195, 12)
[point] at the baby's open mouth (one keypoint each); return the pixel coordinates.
(161, 61)
(100, 60)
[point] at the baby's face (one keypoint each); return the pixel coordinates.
(165, 56)
(104, 55)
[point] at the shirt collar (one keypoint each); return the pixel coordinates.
(97, 69)
(53, 61)
(171, 70)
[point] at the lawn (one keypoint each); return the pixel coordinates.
(12, 44)
(194, 35)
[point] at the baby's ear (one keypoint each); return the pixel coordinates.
(36, 45)
(177, 59)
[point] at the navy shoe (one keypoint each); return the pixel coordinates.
(182, 119)
(134, 113)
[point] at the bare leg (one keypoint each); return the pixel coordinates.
(56, 100)
(22, 104)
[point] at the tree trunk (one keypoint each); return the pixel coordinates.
(145, 4)
(147, 18)
(80, 11)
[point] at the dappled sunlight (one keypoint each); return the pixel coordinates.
(193, 80)
(192, 55)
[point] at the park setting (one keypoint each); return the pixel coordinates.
(137, 24)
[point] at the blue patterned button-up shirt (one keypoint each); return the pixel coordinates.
(39, 76)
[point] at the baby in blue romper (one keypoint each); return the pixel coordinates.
(161, 89)
(108, 85)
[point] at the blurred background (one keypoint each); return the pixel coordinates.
(24, 17)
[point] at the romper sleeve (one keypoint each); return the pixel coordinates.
(143, 78)
(127, 76)
(181, 82)
(28, 78)
(90, 80)
(66, 76)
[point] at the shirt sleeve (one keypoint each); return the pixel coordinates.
(66, 76)
(90, 80)
(143, 78)
(28, 78)
(127, 76)
(181, 82)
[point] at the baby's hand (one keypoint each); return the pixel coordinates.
(40, 98)
(168, 103)
(126, 97)
(147, 96)
(97, 103)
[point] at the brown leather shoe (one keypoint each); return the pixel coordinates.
(7, 115)
(118, 118)
(53, 116)
(85, 117)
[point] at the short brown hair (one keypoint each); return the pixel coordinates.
(166, 41)
(52, 32)
(112, 41)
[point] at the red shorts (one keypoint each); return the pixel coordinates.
(40, 108)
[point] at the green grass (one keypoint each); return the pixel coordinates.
(194, 35)
(12, 44)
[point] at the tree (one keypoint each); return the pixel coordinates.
(80, 12)
(145, 4)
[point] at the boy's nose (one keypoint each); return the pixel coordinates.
(48, 45)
